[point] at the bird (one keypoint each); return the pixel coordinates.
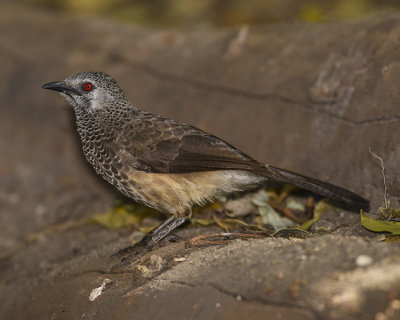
(164, 164)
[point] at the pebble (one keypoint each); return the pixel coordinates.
(363, 260)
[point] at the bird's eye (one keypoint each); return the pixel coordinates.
(87, 86)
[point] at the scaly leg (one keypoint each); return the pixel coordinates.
(149, 240)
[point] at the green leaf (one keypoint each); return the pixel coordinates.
(379, 225)
(320, 208)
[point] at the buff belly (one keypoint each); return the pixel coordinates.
(177, 193)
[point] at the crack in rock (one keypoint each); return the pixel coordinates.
(146, 68)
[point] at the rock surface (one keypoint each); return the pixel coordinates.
(311, 98)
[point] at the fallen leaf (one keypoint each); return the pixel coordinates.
(116, 218)
(320, 208)
(379, 225)
(268, 214)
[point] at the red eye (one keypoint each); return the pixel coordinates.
(87, 86)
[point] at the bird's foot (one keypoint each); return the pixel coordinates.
(172, 238)
(132, 253)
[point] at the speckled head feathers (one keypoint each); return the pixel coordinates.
(89, 91)
(99, 79)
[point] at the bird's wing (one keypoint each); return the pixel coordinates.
(165, 146)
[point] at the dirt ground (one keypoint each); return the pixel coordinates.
(287, 96)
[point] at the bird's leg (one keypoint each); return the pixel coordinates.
(150, 239)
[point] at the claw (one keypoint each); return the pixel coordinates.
(124, 262)
(134, 252)
(130, 254)
(120, 253)
(172, 238)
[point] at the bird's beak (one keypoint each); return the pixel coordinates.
(61, 86)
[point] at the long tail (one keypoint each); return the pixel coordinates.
(346, 198)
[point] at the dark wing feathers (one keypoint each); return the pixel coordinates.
(165, 146)
(202, 152)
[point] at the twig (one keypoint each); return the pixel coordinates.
(221, 238)
(285, 211)
(383, 174)
(309, 210)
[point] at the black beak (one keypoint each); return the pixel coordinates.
(60, 86)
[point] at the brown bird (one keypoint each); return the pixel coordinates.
(165, 164)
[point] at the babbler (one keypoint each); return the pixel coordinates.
(165, 164)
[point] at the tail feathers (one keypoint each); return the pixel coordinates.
(346, 198)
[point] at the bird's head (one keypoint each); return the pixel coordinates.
(88, 90)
